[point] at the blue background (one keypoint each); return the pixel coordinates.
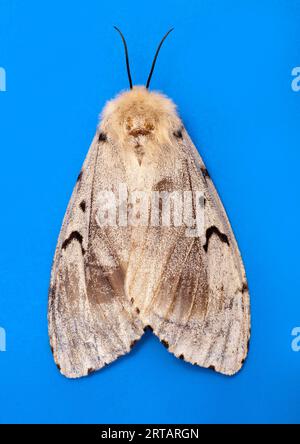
(228, 67)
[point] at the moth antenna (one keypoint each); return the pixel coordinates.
(155, 57)
(126, 55)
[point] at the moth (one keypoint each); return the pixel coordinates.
(146, 243)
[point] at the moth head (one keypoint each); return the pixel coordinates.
(140, 116)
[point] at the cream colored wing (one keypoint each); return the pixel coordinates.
(192, 291)
(90, 319)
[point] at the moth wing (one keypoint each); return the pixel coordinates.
(91, 322)
(192, 291)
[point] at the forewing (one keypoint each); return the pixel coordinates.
(91, 322)
(193, 291)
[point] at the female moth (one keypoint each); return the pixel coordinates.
(146, 242)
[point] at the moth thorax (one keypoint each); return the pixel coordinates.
(139, 126)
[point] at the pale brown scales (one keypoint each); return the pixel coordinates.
(108, 284)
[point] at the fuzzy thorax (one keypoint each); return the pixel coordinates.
(140, 119)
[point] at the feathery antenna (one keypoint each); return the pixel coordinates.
(155, 57)
(126, 55)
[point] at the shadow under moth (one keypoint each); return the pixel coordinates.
(146, 243)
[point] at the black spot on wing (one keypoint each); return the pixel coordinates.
(79, 176)
(165, 343)
(248, 346)
(165, 184)
(244, 287)
(205, 173)
(75, 235)
(178, 133)
(148, 327)
(82, 205)
(102, 137)
(133, 343)
(214, 230)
